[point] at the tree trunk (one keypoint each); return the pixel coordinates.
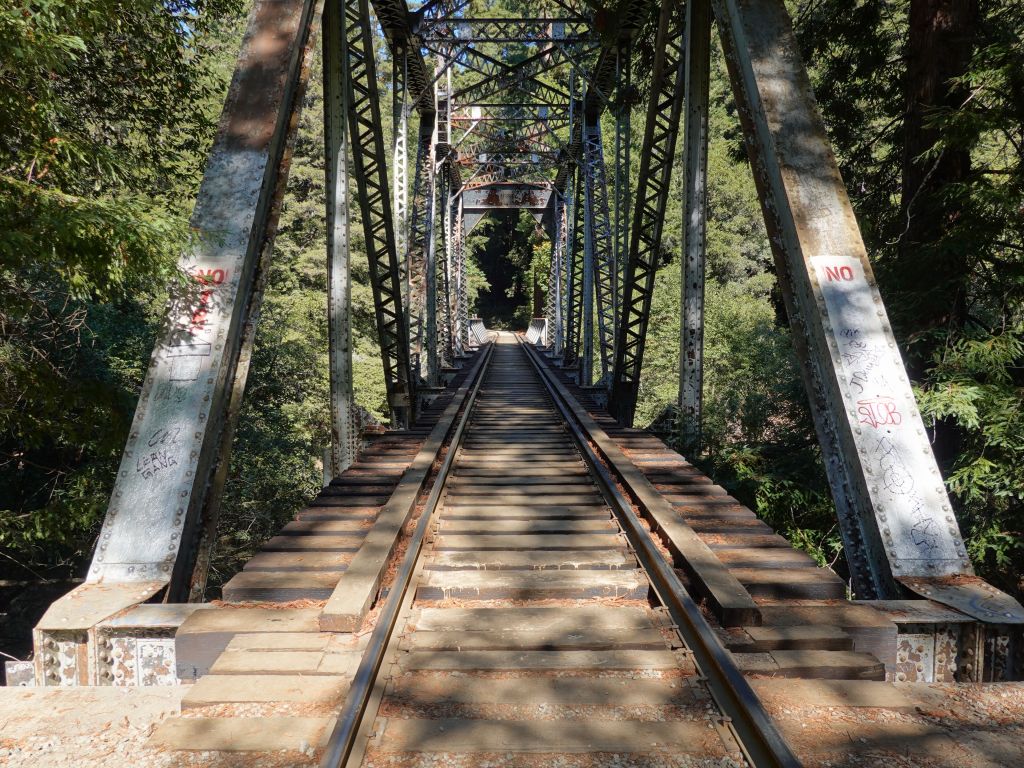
(933, 272)
(939, 47)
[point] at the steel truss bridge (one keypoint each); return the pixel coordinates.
(475, 133)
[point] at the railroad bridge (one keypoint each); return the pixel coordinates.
(511, 569)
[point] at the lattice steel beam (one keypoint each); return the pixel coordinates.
(400, 169)
(564, 216)
(423, 271)
(521, 76)
(495, 30)
(446, 343)
(648, 221)
(460, 331)
(370, 167)
(531, 111)
(575, 320)
(600, 241)
(553, 299)
(395, 21)
(623, 170)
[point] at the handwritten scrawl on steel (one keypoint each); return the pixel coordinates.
(906, 490)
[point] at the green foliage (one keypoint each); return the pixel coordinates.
(975, 383)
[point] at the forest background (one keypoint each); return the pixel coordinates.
(107, 109)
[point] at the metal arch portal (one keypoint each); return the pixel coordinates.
(527, 134)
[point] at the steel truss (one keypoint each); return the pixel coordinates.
(370, 165)
(487, 30)
(599, 241)
(423, 271)
(575, 288)
(652, 193)
(899, 529)
(553, 308)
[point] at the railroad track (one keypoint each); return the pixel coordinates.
(533, 617)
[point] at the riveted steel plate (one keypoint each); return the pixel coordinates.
(970, 595)
(920, 533)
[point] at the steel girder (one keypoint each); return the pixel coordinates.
(519, 77)
(344, 429)
(601, 79)
(599, 240)
(460, 331)
(370, 166)
(894, 514)
(623, 141)
(648, 221)
(423, 271)
(162, 515)
(395, 21)
(553, 300)
(400, 172)
(695, 169)
(445, 341)
(523, 111)
(575, 250)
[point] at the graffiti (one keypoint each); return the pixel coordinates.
(210, 278)
(164, 437)
(152, 463)
(170, 392)
(878, 412)
(897, 480)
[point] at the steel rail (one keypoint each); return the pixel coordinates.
(348, 725)
(745, 716)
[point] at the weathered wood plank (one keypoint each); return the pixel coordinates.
(571, 691)
(579, 661)
(498, 526)
(555, 541)
(532, 585)
(241, 734)
(227, 689)
(524, 559)
(538, 736)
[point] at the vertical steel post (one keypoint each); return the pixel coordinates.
(563, 214)
(553, 301)
(578, 247)
(587, 330)
(430, 271)
(400, 171)
(447, 342)
(695, 165)
(339, 302)
(420, 258)
(460, 333)
(599, 233)
(572, 288)
(623, 139)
